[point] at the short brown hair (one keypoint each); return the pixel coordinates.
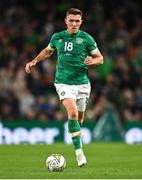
(74, 11)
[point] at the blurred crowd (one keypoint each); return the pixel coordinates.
(26, 28)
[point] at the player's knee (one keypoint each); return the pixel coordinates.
(73, 114)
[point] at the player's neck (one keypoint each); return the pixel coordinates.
(70, 33)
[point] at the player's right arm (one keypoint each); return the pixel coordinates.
(45, 53)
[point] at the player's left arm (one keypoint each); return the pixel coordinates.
(95, 59)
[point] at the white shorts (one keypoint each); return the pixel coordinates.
(80, 93)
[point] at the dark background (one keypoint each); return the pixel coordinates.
(27, 26)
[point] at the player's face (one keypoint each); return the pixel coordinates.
(73, 23)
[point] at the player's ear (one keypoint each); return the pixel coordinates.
(65, 21)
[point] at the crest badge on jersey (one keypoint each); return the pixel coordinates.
(79, 40)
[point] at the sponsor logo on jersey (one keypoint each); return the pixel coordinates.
(79, 40)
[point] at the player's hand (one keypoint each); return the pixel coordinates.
(89, 60)
(29, 66)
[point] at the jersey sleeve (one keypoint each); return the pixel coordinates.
(91, 45)
(52, 45)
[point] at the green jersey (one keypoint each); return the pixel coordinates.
(72, 49)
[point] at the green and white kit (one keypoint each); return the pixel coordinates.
(71, 71)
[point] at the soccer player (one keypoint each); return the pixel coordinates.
(76, 50)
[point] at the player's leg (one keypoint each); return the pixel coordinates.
(81, 106)
(73, 125)
(74, 129)
(81, 117)
(82, 100)
(67, 95)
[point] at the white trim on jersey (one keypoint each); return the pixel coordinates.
(94, 51)
(50, 48)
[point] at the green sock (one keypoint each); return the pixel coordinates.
(73, 126)
(77, 142)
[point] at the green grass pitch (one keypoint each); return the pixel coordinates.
(105, 161)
